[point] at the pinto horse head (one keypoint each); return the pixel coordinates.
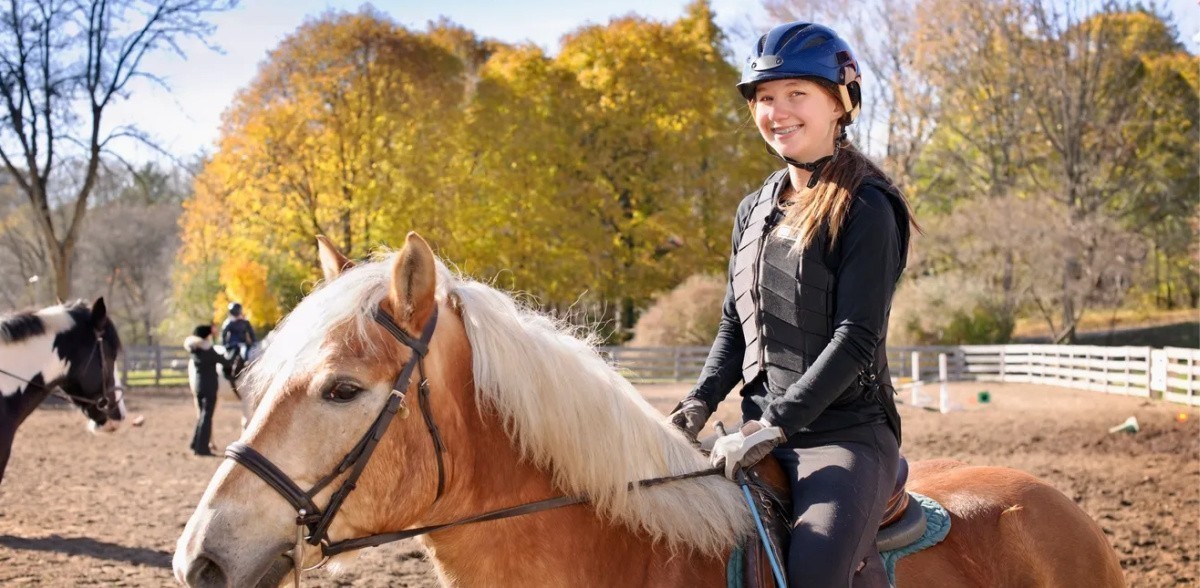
(90, 350)
(71, 347)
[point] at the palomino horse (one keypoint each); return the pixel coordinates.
(69, 347)
(516, 410)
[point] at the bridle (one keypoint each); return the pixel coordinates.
(316, 522)
(109, 397)
(310, 516)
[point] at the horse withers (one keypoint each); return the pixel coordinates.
(69, 347)
(518, 469)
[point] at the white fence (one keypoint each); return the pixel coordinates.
(1172, 373)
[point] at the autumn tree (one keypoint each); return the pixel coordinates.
(341, 133)
(1083, 118)
(520, 180)
(593, 178)
(1043, 101)
(62, 64)
(668, 148)
(1158, 198)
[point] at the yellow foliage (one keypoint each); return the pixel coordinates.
(610, 171)
(245, 281)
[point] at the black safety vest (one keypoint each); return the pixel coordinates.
(785, 302)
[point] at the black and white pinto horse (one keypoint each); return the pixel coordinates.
(68, 347)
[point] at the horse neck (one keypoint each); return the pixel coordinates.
(567, 546)
(27, 360)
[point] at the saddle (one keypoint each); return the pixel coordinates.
(899, 527)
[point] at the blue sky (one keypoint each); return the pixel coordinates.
(186, 119)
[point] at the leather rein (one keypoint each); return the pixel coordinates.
(311, 518)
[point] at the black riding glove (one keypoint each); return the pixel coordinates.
(689, 416)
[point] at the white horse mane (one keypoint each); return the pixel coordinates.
(55, 319)
(563, 406)
(27, 354)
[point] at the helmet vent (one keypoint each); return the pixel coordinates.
(790, 35)
(813, 41)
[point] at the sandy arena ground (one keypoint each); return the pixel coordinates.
(83, 510)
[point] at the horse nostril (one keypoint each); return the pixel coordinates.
(204, 572)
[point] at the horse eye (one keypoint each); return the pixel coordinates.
(342, 392)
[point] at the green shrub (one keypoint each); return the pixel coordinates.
(947, 309)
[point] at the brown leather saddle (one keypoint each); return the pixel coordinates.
(900, 525)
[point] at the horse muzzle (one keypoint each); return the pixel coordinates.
(208, 569)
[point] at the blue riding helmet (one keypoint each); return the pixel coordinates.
(804, 50)
(235, 309)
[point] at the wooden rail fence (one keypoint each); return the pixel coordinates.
(1172, 373)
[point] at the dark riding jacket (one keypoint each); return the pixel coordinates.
(235, 331)
(807, 333)
(205, 359)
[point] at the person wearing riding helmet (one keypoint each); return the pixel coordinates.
(236, 332)
(817, 252)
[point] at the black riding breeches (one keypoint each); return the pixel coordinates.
(839, 492)
(206, 402)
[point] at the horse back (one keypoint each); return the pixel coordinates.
(1008, 528)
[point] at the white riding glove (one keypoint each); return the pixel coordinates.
(746, 447)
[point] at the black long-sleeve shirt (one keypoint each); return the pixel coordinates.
(869, 261)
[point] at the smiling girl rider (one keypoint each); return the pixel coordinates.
(817, 251)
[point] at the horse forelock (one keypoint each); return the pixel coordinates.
(572, 414)
(345, 306)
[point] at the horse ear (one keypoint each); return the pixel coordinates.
(333, 263)
(99, 313)
(414, 278)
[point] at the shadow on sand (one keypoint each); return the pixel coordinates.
(90, 548)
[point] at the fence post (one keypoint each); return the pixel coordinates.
(944, 394)
(916, 378)
(1191, 375)
(1157, 372)
(1128, 360)
(1003, 361)
(675, 366)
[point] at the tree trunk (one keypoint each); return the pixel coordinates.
(628, 319)
(60, 260)
(1158, 301)
(1068, 303)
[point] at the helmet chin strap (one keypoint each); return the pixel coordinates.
(815, 167)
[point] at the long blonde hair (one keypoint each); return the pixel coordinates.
(828, 202)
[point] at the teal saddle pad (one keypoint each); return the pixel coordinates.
(937, 526)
